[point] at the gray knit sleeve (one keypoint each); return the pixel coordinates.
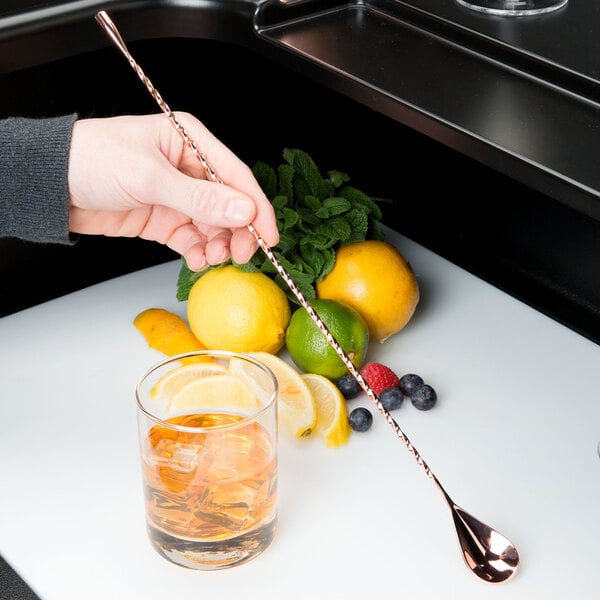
(34, 203)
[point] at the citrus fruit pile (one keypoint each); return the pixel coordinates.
(370, 294)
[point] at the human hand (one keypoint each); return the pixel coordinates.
(135, 176)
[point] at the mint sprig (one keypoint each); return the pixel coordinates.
(315, 215)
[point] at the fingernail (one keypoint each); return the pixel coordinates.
(199, 265)
(239, 211)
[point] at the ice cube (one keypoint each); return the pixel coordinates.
(183, 458)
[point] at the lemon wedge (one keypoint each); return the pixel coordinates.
(296, 406)
(173, 381)
(254, 377)
(222, 391)
(332, 417)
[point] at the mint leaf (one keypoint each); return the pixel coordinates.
(287, 241)
(290, 218)
(185, 281)
(336, 206)
(320, 260)
(359, 199)
(374, 232)
(323, 242)
(311, 202)
(279, 202)
(307, 171)
(336, 228)
(250, 267)
(309, 217)
(327, 265)
(336, 178)
(266, 177)
(359, 225)
(286, 182)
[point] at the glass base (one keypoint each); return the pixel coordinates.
(513, 8)
(211, 556)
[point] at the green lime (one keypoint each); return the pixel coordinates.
(308, 347)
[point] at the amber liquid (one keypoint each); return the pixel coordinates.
(210, 496)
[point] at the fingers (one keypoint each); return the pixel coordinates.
(231, 170)
(217, 246)
(191, 244)
(200, 252)
(242, 246)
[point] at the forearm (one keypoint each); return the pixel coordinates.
(34, 156)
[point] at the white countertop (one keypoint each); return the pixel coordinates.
(513, 439)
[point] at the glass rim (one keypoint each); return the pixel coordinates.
(217, 354)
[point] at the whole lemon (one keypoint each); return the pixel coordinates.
(230, 309)
(308, 347)
(374, 278)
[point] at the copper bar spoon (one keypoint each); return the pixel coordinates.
(487, 553)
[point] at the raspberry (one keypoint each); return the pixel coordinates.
(379, 377)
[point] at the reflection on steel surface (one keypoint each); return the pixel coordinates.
(513, 8)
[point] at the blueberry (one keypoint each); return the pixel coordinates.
(423, 397)
(360, 419)
(391, 398)
(409, 382)
(348, 385)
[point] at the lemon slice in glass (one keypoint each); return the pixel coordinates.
(296, 406)
(332, 417)
(175, 379)
(224, 392)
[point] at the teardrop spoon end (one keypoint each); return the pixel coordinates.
(489, 555)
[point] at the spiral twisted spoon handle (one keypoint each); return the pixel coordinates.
(486, 552)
